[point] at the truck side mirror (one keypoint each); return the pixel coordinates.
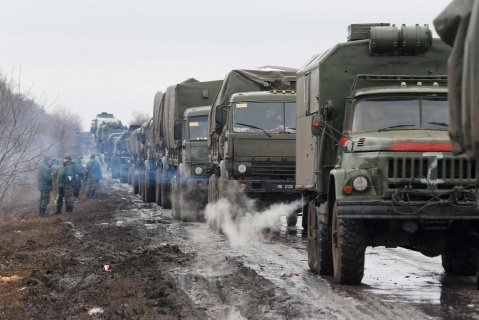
(161, 129)
(178, 130)
(219, 119)
(143, 138)
(317, 124)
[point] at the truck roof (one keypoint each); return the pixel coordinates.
(251, 80)
(276, 95)
(400, 90)
(198, 111)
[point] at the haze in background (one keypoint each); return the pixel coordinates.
(115, 55)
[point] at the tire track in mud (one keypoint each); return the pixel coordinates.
(244, 282)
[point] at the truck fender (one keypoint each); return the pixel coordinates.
(335, 191)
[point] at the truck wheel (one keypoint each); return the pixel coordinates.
(320, 257)
(461, 261)
(292, 219)
(123, 175)
(158, 188)
(149, 188)
(165, 193)
(135, 177)
(189, 205)
(304, 218)
(349, 248)
(175, 204)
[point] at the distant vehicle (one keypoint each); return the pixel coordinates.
(177, 99)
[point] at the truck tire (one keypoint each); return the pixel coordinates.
(134, 181)
(348, 243)
(292, 219)
(123, 175)
(320, 257)
(158, 188)
(304, 218)
(189, 206)
(460, 261)
(149, 187)
(175, 204)
(165, 192)
(141, 183)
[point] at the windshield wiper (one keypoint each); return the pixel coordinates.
(397, 126)
(254, 127)
(439, 124)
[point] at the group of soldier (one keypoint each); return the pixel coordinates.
(68, 179)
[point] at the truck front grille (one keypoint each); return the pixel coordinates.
(274, 169)
(449, 170)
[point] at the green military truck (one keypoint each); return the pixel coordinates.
(191, 188)
(121, 150)
(105, 128)
(374, 155)
(154, 164)
(100, 118)
(188, 94)
(252, 133)
(134, 151)
(147, 170)
(108, 148)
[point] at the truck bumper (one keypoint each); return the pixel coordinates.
(388, 210)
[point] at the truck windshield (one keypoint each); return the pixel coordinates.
(198, 128)
(271, 117)
(400, 113)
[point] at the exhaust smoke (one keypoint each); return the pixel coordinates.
(242, 222)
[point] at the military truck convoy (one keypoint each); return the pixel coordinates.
(359, 134)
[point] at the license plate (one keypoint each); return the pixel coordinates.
(285, 186)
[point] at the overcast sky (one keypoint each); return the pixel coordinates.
(115, 55)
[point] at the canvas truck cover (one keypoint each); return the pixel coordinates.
(249, 80)
(458, 26)
(157, 116)
(182, 96)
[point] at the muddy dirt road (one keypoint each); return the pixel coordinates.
(164, 268)
(161, 268)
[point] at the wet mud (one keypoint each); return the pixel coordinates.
(116, 257)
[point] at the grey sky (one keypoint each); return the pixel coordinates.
(115, 55)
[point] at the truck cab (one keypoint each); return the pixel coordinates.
(258, 142)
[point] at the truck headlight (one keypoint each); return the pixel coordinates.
(360, 183)
(242, 168)
(198, 170)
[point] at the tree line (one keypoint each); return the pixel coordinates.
(29, 130)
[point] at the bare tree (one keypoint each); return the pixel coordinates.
(63, 124)
(21, 144)
(139, 117)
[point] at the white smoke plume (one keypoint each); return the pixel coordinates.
(242, 223)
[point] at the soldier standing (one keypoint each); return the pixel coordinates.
(78, 175)
(65, 183)
(44, 185)
(93, 171)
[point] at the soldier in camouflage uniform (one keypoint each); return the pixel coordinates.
(78, 176)
(66, 185)
(93, 171)
(44, 185)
